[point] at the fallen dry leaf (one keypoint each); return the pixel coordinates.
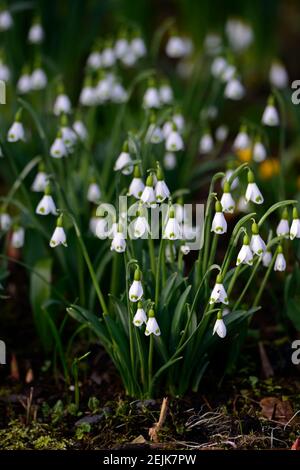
(276, 410)
(14, 368)
(139, 440)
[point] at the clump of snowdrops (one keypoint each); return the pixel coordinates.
(160, 306)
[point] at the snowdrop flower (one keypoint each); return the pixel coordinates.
(136, 289)
(219, 326)
(218, 67)
(4, 71)
(103, 89)
(234, 89)
(62, 103)
(174, 141)
(280, 263)
(68, 135)
(167, 128)
(252, 192)
(206, 143)
(229, 73)
(242, 205)
(102, 229)
(58, 236)
(267, 258)
(140, 317)
(257, 245)
(245, 255)
(5, 221)
(16, 131)
(6, 20)
(185, 249)
(118, 93)
(148, 195)
(80, 130)
(140, 225)
(151, 97)
(46, 205)
(58, 149)
(152, 325)
(137, 46)
(212, 43)
(18, 237)
(219, 224)
(36, 32)
(270, 115)
(38, 79)
(40, 181)
(170, 161)
(278, 75)
(283, 228)
(137, 186)
(227, 177)
(118, 243)
(161, 189)
(121, 45)
(108, 55)
(175, 47)
(87, 95)
(179, 121)
(259, 151)
(239, 34)
(154, 133)
(124, 161)
(94, 60)
(295, 227)
(221, 133)
(172, 229)
(227, 200)
(94, 192)
(25, 82)
(165, 93)
(219, 294)
(242, 140)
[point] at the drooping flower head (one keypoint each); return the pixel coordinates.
(172, 229)
(245, 255)
(252, 192)
(16, 131)
(162, 191)
(140, 316)
(220, 327)
(148, 195)
(257, 244)
(280, 263)
(46, 205)
(270, 115)
(58, 236)
(124, 161)
(219, 224)
(283, 228)
(136, 290)
(295, 227)
(219, 293)
(137, 185)
(227, 200)
(152, 325)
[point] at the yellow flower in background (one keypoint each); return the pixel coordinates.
(269, 168)
(244, 155)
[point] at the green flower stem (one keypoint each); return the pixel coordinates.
(213, 250)
(90, 266)
(247, 284)
(130, 317)
(180, 261)
(264, 281)
(233, 279)
(160, 266)
(152, 255)
(80, 275)
(141, 356)
(115, 274)
(150, 364)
